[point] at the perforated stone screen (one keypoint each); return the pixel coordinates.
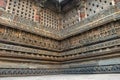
(22, 8)
(70, 18)
(49, 19)
(95, 6)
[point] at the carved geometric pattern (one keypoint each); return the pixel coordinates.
(22, 8)
(82, 70)
(49, 19)
(95, 6)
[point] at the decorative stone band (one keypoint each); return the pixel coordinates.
(27, 39)
(92, 37)
(52, 71)
(106, 48)
(93, 69)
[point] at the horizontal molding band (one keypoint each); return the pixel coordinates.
(37, 72)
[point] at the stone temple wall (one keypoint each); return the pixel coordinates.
(37, 41)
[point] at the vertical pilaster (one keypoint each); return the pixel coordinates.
(79, 15)
(83, 10)
(60, 22)
(37, 15)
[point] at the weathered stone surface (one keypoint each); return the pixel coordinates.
(38, 41)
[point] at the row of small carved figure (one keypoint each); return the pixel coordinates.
(101, 33)
(85, 70)
(25, 38)
(4, 46)
(100, 47)
(21, 51)
(97, 49)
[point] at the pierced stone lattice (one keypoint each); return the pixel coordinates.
(95, 6)
(49, 19)
(22, 8)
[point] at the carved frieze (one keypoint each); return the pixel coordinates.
(28, 39)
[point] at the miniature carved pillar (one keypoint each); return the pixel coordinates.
(37, 14)
(60, 22)
(3, 4)
(79, 15)
(82, 10)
